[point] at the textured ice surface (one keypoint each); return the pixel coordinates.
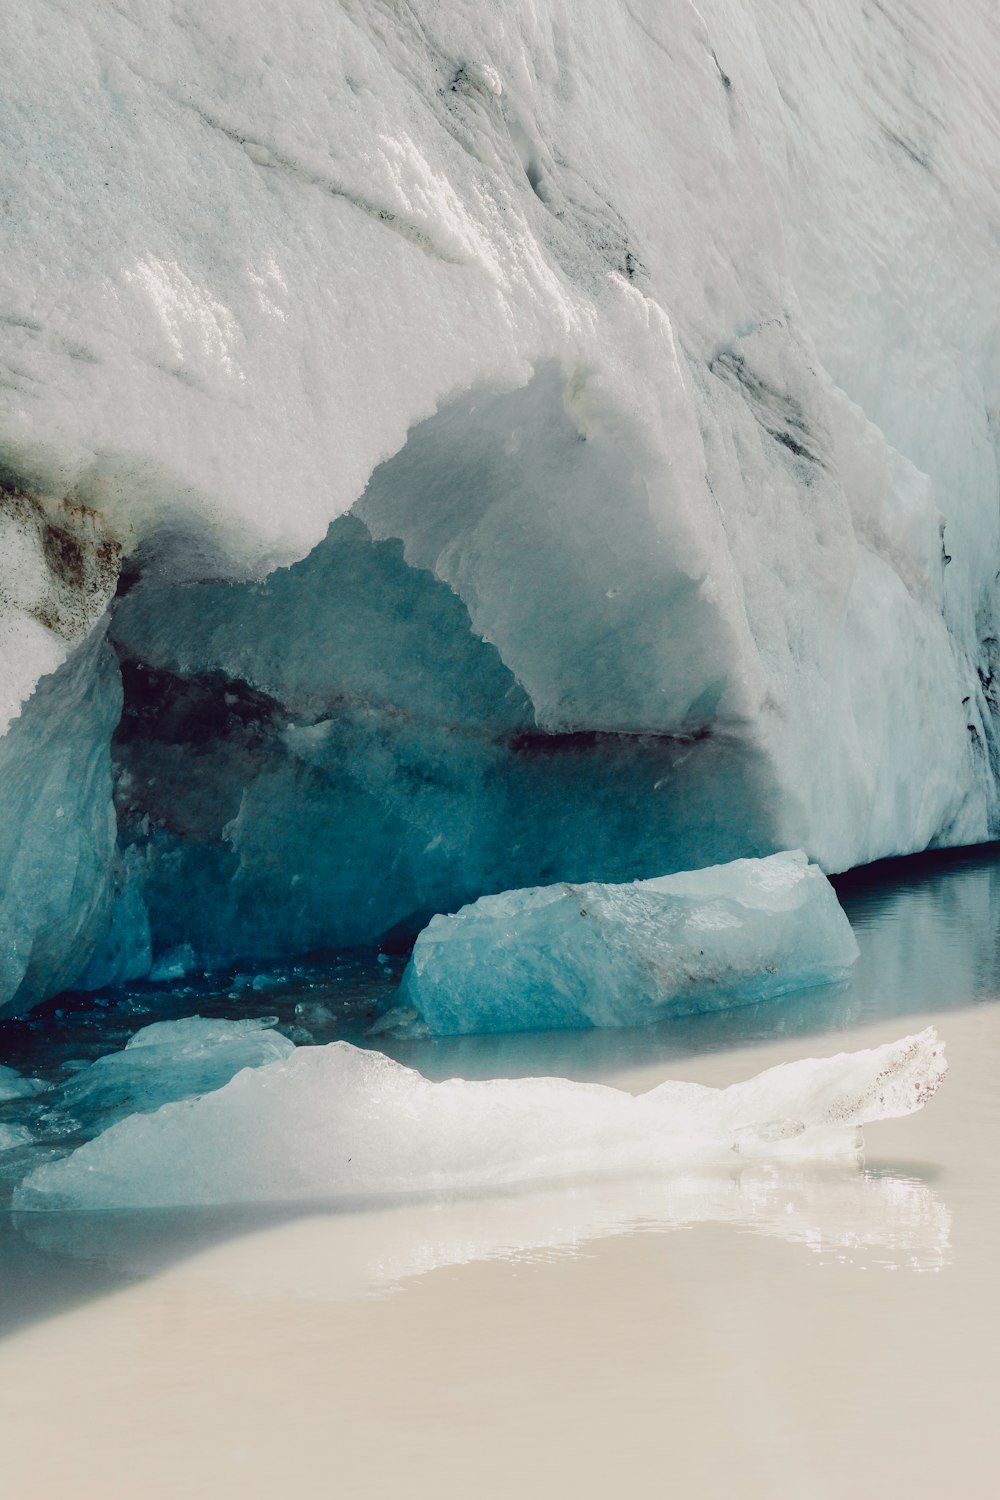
(624, 955)
(165, 1061)
(337, 1122)
(13, 1137)
(14, 1086)
(608, 327)
(309, 762)
(58, 860)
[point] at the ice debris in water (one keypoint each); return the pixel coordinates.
(624, 955)
(166, 1061)
(337, 1122)
(12, 1137)
(14, 1085)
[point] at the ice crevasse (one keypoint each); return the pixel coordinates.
(467, 447)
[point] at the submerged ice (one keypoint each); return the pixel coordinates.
(337, 1122)
(621, 955)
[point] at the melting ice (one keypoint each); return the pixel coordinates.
(338, 1122)
(624, 955)
(169, 1060)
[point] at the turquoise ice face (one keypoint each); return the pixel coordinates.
(624, 955)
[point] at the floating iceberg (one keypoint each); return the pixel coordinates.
(625, 955)
(337, 1122)
(165, 1061)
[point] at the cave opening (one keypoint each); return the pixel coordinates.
(406, 719)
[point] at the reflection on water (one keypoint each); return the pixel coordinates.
(928, 929)
(929, 933)
(928, 938)
(851, 1215)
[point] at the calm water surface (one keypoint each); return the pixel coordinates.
(772, 1334)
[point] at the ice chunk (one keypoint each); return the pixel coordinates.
(174, 965)
(624, 955)
(166, 1061)
(13, 1137)
(14, 1085)
(338, 1122)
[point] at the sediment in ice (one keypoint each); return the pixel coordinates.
(621, 955)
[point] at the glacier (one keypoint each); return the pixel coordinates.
(340, 1123)
(626, 955)
(535, 446)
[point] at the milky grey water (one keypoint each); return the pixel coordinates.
(928, 933)
(781, 1335)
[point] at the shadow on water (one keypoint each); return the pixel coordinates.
(837, 1211)
(927, 930)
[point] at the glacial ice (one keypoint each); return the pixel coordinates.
(336, 1122)
(13, 1137)
(625, 955)
(58, 858)
(336, 749)
(165, 1061)
(601, 334)
(14, 1085)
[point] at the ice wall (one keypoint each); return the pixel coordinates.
(58, 860)
(658, 339)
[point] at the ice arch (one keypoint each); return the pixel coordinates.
(501, 669)
(541, 522)
(493, 672)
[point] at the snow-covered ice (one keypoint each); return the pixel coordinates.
(625, 955)
(659, 342)
(337, 1122)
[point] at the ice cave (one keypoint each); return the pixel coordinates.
(418, 506)
(499, 664)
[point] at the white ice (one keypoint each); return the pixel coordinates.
(337, 1122)
(625, 955)
(664, 337)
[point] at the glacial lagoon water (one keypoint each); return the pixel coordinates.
(810, 1333)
